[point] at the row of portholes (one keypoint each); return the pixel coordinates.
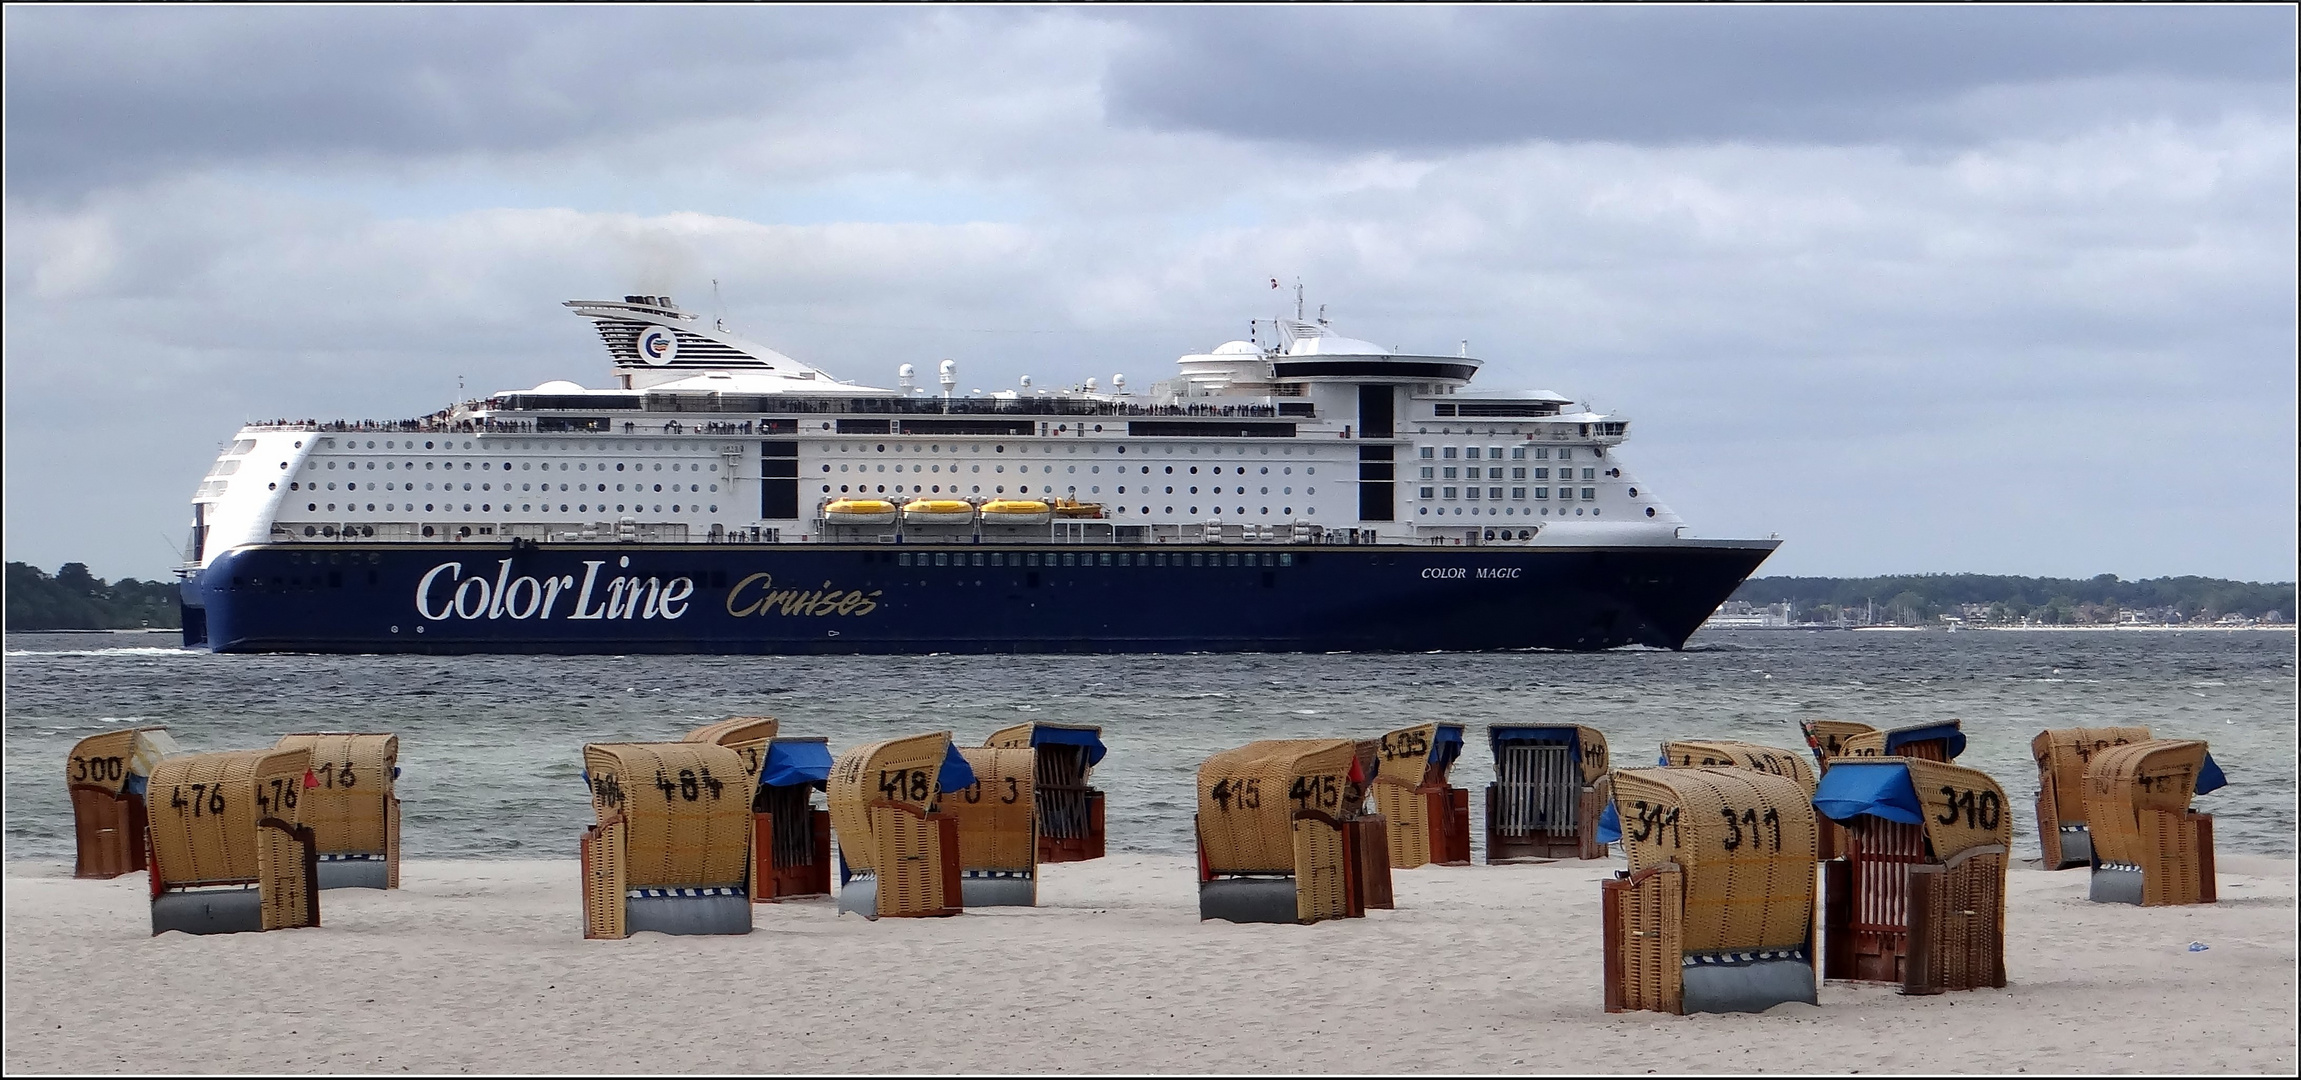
(1091, 469)
(489, 508)
(610, 445)
(525, 466)
(507, 487)
(1513, 510)
(1000, 448)
(1106, 558)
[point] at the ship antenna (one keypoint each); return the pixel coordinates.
(1298, 299)
(719, 320)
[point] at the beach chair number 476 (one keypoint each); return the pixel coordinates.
(283, 796)
(203, 798)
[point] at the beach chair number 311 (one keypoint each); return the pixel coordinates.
(1647, 821)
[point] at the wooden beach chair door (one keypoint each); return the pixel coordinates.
(1645, 940)
(1957, 928)
(1869, 899)
(918, 861)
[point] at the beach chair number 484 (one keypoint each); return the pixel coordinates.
(690, 786)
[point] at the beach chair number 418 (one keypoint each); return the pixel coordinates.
(901, 784)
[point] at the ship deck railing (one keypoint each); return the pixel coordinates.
(609, 532)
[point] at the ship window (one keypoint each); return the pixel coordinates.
(1541, 453)
(1429, 493)
(1448, 453)
(1470, 492)
(1565, 454)
(998, 558)
(1032, 558)
(1542, 493)
(1589, 474)
(1589, 494)
(1451, 473)
(1517, 453)
(1197, 559)
(1518, 493)
(1312, 470)
(1517, 472)
(1451, 493)
(1470, 452)
(1541, 474)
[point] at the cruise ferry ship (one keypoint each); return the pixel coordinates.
(1295, 491)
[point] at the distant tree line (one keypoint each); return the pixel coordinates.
(1916, 598)
(77, 600)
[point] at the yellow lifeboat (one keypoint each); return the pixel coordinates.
(1016, 512)
(1072, 508)
(938, 512)
(859, 512)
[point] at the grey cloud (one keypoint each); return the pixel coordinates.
(1449, 77)
(97, 95)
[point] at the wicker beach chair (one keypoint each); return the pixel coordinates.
(1272, 839)
(1919, 898)
(1735, 754)
(1429, 819)
(790, 838)
(1941, 740)
(228, 852)
(2062, 755)
(106, 776)
(998, 828)
(1716, 913)
(2149, 847)
(672, 848)
(1070, 811)
(1827, 738)
(352, 808)
(898, 850)
(1548, 791)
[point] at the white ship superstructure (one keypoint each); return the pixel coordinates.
(1297, 435)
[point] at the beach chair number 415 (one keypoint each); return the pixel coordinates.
(900, 784)
(1982, 813)
(690, 787)
(89, 770)
(1322, 790)
(1248, 793)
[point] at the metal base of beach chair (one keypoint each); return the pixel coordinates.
(688, 911)
(994, 888)
(1728, 983)
(357, 872)
(209, 911)
(2076, 848)
(1248, 900)
(860, 895)
(2115, 883)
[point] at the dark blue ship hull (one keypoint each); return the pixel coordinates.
(824, 598)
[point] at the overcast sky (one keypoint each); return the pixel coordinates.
(2006, 290)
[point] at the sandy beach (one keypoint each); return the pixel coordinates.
(480, 967)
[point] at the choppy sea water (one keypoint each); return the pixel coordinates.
(490, 745)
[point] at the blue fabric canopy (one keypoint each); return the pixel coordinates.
(1448, 745)
(1895, 740)
(1049, 735)
(1609, 825)
(790, 764)
(1853, 787)
(956, 773)
(2210, 778)
(1570, 736)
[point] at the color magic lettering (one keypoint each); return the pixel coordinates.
(757, 595)
(444, 593)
